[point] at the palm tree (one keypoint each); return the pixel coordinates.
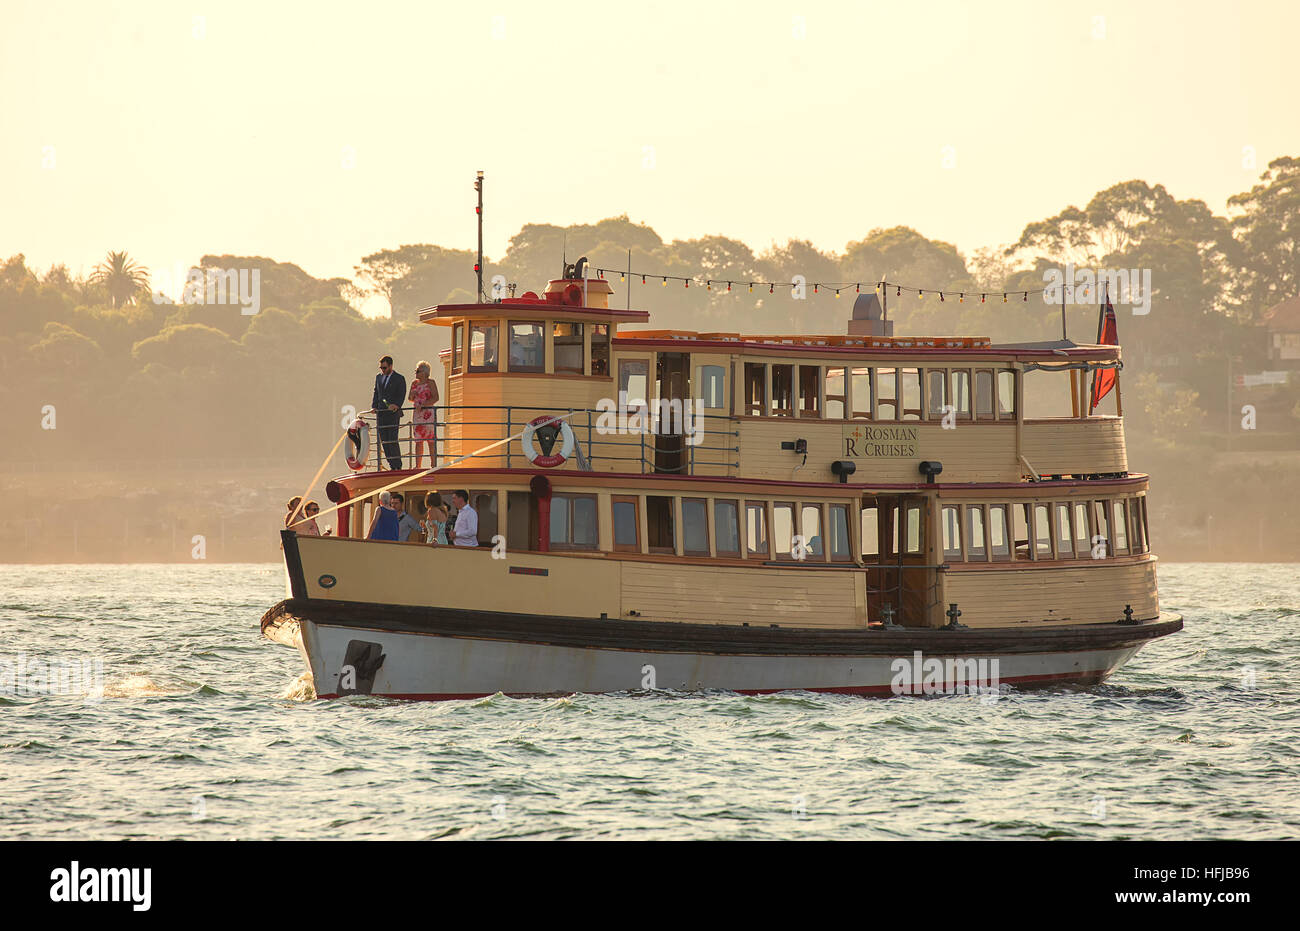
(122, 278)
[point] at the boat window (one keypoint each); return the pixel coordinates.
(838, 533)
(936, 384)
(521, 521)
(755, 388)
(783, 528)
(835, 394)
(1042, 532)
(1141, 528)
(886, 394)
(811, 529)
(600, 349)
(457, 347)
(1101, 529)
(870, 521)
(810, 391)
(1020, 514)
(485, 503)
(573, 522)
(782, 391)
(892, 538)
(633, 380)
(975, 548)
(483, 347)
(984, 394)
(951, 535)
(1135, 526)
(959, 392)
(756, 529)
(627, 525)
(1006, 393)
(713, 385)
(695, 527)
(1064, 538)
(999, 543)
(1121, 529)
(527, 347)
(567, 338)
(659, 524)
(915, 538)
(909, 388)
(1082, 543)
(862, 395)
(726, 527)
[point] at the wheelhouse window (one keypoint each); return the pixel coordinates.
(527, 347)
(909, 391)
(976, 548)
(959, 392)
(1137, 518)
(870, 529)
(756, 529)
(886, 394)
(951, 534)
(660, 524)
(810, 391)
(1101, 524)
(573, 522)
(713, 386)
(627, 524)
(1082, 544)
(755, 389)
(1121, 529)
(783, 529)
(633, 382)
(862, 394)
(695, 527)
(1020, 516)
(726, 527)
(811, 530)
(841, 548)
(835, 396)
(782, 391)
(457, 348)
(1007, 393)
(936, 382)
(567, 338)
(1042, 532)
(914, 541)
(984, 405)
(600, 349)
(483, 347)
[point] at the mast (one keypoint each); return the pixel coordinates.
(478, 266)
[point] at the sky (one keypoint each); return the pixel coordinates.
(318, 133)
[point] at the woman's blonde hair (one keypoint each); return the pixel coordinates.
(423, 365)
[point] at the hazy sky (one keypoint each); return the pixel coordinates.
(317, 133)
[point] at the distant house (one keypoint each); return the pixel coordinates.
(1283, 325)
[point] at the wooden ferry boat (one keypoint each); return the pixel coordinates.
(860, 514)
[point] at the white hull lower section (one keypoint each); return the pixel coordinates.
(346, 660)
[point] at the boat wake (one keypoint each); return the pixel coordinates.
(302, 688)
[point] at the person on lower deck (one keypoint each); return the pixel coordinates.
(383, 526)
(466, 532)
(435, 520)
(406, 524)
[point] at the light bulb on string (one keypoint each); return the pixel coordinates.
(921, 295)
(708, 285)
(1004, 297)
(771, 289)
(751, 287)
(728, 286)
(981, 298)
(665, 282)
(898, 292)
(1026, 297)
(857, 289)
(940, 297)
(686, 282)
(643, 279)
(837, 292)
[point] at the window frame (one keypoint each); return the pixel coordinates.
(556, 346)
(967, 549)
(571, 497)
(483, 325)
(847, 510)
(717, 526)
(1008, 533)
(510, 338)
(764, 508)
(457, 348)
(635, 501)
(708, 526)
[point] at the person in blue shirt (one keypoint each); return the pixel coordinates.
(407, 525)
(383, 526)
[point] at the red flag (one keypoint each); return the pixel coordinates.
(1107, 335)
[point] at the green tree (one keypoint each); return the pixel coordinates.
(1268, 228)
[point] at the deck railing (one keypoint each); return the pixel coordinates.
(477, 426)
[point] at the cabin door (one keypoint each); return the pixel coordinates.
(672, 388)
(899, 575)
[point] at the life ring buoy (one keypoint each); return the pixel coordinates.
(547, 429)
(358, 445)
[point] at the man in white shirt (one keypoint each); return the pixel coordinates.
(466, 533)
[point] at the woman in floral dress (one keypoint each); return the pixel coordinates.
(424, 396)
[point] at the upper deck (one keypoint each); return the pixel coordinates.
(864, 407)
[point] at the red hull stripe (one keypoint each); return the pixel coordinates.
(1086, 675)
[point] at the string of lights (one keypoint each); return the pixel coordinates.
(726, 285)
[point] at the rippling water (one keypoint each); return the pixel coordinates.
(203, 733)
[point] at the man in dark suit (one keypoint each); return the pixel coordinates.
(390, 394)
